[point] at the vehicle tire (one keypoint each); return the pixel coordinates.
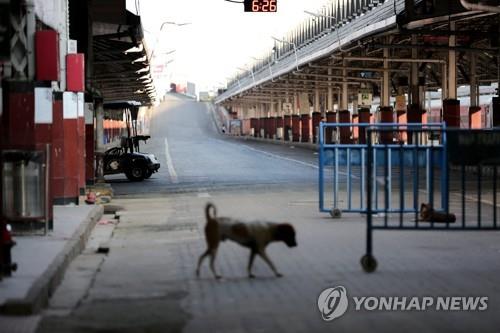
(112, 166)
(148, 174)
(136, 173)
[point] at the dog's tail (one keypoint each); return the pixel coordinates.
(210, 208)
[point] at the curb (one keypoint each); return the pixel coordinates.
(39, 293)
(304, 145)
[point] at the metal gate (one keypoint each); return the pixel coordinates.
(468, 195)
(344, 150)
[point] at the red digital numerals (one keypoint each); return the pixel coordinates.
(264, 5)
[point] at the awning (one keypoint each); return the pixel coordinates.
(121, 65)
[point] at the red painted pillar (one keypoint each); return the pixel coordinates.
(57, 174)
(279, 124)
(401, 117)
(331, 117)
(363, 118)
(316, 118)
(305, 120)
(43, 127)
(70, 148)
(253, 124)
(414, 114)
(345, 132)
(451, 112)
(475, 117)
(495, 113)
(81, 142)
(287, 126)
(295, 128)
(386, 116)
(19, 114)
(355, 129)
(89, 144)
(272, 127)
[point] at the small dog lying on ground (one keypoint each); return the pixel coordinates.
(428, 214)
(255, 235)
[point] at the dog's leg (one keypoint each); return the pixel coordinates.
(264, 256)
(250, 263)
(213, 254)
(202, 257)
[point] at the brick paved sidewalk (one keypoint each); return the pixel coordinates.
(147, 282)
(410, 264)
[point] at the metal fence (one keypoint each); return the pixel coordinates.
(468, 201)
(400, 153)
(410, 177)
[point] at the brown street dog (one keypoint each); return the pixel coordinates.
(428, 214)
(255, 235)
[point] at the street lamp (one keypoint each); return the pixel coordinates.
(294, 49)
(161, 28)
(237, 78)
(330, 17)
(168, 52)
(269, 63)
(173, 23)
(251, 71)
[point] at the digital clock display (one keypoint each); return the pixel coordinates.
(261, 6)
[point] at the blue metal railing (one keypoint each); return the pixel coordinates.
(347, 158)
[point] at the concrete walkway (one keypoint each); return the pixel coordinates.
(42, 261)
(149, 272)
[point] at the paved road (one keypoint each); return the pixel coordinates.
(194, 155)
(146, 283)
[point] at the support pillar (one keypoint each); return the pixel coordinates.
(386, 111)
(81, 143)
(415, 109)
(344, 114)
(99, 149)
(363, 118)
(329, 106)
(475, 114)
(451, 105)
(89, 144)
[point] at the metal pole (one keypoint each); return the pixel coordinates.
(99, 114)
(330, 92)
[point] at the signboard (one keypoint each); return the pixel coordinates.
(401, 103)
(4, 30)
(43, 105)
(472, 147)
(70, 105)
(287, 107)
(235, 127)
(365, 98)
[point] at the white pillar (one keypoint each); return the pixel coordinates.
(385, 100)
(452, 65)
(329, 105)
(344, 101)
